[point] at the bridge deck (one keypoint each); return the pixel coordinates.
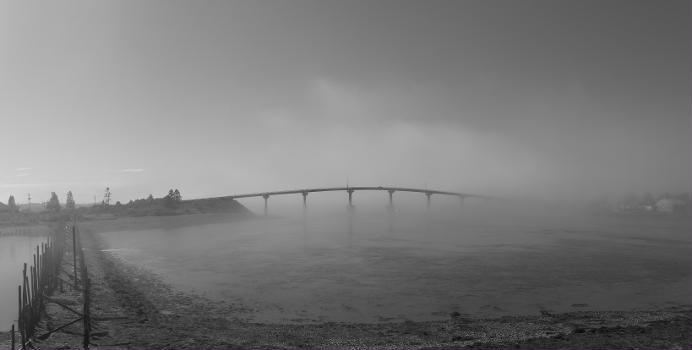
(357, 188)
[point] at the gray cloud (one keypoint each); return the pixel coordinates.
(557, 97)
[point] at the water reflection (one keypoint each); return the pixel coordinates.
(360, 269)
(14, 252)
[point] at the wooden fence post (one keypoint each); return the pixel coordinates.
(74, 253)
(20, 321)
(12, 331)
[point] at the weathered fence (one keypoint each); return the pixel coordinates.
(86, 314)
(42, 278)
(38, 280)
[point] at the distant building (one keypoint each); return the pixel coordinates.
(669, 205)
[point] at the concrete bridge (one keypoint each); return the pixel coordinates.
(349, 189)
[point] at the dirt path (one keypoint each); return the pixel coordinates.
(134, 309)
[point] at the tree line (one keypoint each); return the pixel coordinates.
(171, 200)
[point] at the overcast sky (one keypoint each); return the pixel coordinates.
(555, 98)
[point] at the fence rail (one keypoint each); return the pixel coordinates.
(19, 231)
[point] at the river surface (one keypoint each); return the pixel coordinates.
(419, 268)
(14, 252)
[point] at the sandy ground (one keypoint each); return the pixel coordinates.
(134, 309)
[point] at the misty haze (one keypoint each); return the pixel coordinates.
(303, 174)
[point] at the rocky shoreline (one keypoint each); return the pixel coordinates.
(134, 309)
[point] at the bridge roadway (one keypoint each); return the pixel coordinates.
(350, 189)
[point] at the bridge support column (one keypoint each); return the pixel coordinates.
(351, 211)
(305, 205)
(266, 208)
(390, 211)
(305, 216)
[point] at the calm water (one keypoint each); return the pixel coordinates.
(14, 252)
(422, 268)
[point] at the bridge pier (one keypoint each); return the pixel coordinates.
(266, 208)
(390, 210)
(305, 216)
(351, 211)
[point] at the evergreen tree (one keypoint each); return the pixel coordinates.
(168, 199)
(54, 203)
(69, 201)
(173, 198)
(12, 205)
